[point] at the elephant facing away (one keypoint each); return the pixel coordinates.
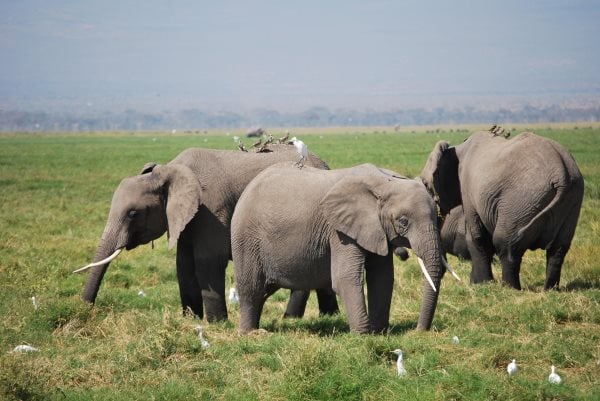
(518, 194)
(192, 198)
(307, 228)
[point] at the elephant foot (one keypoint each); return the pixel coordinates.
(328, 304)
(297, 304)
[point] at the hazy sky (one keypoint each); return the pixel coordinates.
(290, 55)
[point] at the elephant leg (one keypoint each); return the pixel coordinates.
(347, 276)
(297, 303)
(327, 301)
(510, 254)
(211, 276)
(555, 256)
(189, 288)
(511, 267)
(251, 307)
(479, 243)
(380, 283)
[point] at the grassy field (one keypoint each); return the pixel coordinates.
(55, 196)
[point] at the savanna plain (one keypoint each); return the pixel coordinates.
(55, 194)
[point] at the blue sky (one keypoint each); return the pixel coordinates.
(292, 55)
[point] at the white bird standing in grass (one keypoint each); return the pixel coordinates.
(141, 293)
(203, 342)
(233, 296)
(455, 340)
(554, 378)
(302, 150)
(511, 369)
(400, 370)
(34, 302)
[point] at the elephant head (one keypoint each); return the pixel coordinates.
(387, 211)
(440, 176)
(162, 198)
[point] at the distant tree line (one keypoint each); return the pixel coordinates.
(194, 119)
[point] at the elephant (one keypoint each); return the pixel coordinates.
(308, 229)
(192, 198)
(516, 194)
(453, 233)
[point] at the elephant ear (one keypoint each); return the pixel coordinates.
(183, 197)
(352, 206)
(148, 168)
(440, 176)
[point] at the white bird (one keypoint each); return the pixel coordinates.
(302, 150)
(34, 302)
(512, 369)
(455, 340)
(233, 296)
(203, 342)
(141, 293)
(554, 378)
(25, 348)
(401, 371)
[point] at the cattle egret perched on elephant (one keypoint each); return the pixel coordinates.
(400, 370)
(241, 146)
(512, 369)
(554, 378)
(302, 150)
(284, 138)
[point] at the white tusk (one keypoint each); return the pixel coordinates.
(427, 276)
(101, 262)
(445, 262)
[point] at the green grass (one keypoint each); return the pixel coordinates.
(55, 196)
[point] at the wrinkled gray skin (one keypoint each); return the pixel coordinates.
(453, 234)
(517, 194)
(192, 197)
(308, 228)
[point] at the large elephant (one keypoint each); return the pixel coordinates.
(517, 194)
(307, 228)
(192, 198)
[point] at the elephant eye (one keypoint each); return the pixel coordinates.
(132, 213)
(403, 222)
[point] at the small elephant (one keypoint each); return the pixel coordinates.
(518, 194)
(307, 228)
(453, 233)
(192, 198)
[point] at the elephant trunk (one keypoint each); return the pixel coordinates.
(107, 247)
(430, 251)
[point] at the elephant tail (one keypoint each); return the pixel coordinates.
(536, 226)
